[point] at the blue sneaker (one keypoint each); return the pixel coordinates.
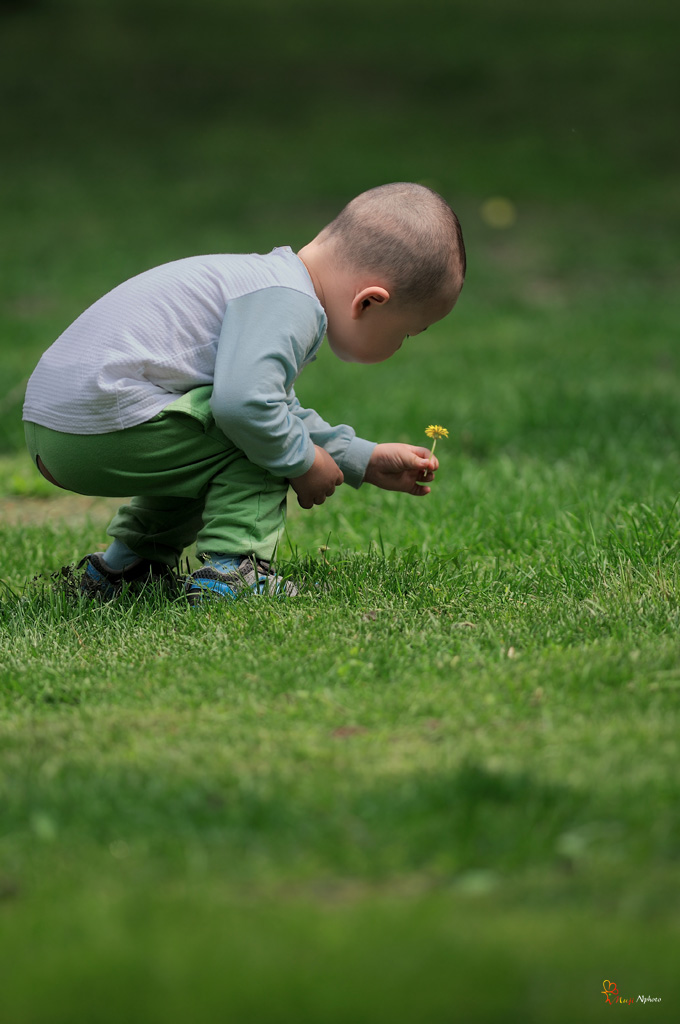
(253, 576)
(102, 582)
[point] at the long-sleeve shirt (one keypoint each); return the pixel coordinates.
(247, 324)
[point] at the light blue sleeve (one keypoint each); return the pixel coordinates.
(266, 338)
(351, 453)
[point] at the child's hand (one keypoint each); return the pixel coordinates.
(319, 482)
(401, 467)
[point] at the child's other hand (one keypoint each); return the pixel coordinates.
(320, 480)
(401, 467)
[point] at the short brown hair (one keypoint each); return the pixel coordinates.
(404, 231)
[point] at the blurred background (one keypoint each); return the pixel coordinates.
(139, 131)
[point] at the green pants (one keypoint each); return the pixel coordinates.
(190, 482)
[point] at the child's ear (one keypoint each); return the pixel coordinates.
(374, 295)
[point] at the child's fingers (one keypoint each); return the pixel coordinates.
(426, 462)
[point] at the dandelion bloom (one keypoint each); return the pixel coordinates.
(434, 431)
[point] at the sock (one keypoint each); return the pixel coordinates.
(119, 556)
(223, 563)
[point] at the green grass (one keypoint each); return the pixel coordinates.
(442, 784)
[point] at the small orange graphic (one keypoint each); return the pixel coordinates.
(610, 991)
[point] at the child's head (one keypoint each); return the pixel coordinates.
(390, 264)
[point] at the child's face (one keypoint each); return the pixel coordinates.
(376, 328)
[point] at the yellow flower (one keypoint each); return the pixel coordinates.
(436, 431)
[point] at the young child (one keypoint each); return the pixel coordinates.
(178, 387)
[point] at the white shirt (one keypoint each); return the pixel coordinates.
(247, 324)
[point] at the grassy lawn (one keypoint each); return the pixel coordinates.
(442, 784)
